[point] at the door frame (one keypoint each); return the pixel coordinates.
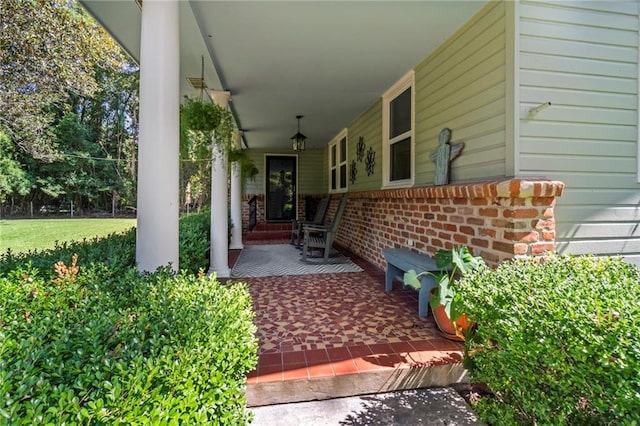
(266, 186)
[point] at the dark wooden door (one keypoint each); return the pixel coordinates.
(280, 202)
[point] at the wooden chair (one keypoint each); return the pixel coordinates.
(318, 219)
(322, 237)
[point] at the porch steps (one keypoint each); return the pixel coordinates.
(269, 231)
(361, 383)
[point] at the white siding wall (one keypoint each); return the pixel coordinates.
(462, 85)
(583, 58)
(369, 127)
(312, 177)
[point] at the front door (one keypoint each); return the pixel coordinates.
(281, 188)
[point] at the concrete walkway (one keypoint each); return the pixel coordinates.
(433, 406)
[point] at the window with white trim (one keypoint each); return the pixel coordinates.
(398, 129)
(338, 163)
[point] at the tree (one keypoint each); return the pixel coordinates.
(12, 178)
(112, 116)
(69, 105)
(50, 49)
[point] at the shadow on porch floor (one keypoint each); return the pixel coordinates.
(329, 335)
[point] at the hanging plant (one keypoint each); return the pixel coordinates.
(198, 115)
(225, 132)
(199, 118)
(248, 168)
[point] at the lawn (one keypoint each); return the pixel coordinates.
(27, 234)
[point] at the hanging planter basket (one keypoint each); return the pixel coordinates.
(199, 116)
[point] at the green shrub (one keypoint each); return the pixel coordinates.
(104, 347)
(98, 343)
(558, 342)
(118, 251)
(195, 237)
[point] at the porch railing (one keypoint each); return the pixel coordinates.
(253, 215)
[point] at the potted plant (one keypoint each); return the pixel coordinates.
(199, 118)
(445, 301)
(248, 168)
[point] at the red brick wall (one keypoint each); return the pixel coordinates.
(497, 220)
(301, 207)
(302, 204)
(245, 210)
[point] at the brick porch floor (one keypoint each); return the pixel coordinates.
(329, 325)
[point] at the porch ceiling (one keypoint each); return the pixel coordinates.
(326, 60)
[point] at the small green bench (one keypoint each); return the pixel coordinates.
(399, 261)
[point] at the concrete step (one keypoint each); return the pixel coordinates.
(269, 231)
(267, 226)
(267, 235)
(382, 380)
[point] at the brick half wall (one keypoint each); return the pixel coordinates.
(497, 220)
(260, 201)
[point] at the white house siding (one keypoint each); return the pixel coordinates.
(462, 85)
(583, 58)
(369, 127)
(311, 177)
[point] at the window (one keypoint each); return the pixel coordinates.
(338, 163)
(398, 133)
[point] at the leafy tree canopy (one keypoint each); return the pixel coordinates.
(12, 178)
(50, 50)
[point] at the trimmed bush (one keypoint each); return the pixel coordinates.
(558, 342)
(91, 341)
(118, 251)
(195, 236)
(90, 345)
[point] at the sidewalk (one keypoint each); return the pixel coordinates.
(433, 406)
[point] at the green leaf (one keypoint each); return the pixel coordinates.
(412, 279)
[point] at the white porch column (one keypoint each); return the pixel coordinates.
(236, 199)
(158, 183)
(219, 258)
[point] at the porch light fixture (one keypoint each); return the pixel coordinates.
(297, 140)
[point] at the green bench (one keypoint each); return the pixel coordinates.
(399, 261)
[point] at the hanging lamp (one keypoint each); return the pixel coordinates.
(298, 140)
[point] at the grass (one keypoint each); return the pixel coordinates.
(22, 235)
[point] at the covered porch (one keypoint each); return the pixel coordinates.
(248, 58)
(376, 83)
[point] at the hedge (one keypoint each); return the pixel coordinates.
(102, 347)
(86, 339)
(557, 341)
(118, 251)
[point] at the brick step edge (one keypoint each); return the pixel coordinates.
(267, 235)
